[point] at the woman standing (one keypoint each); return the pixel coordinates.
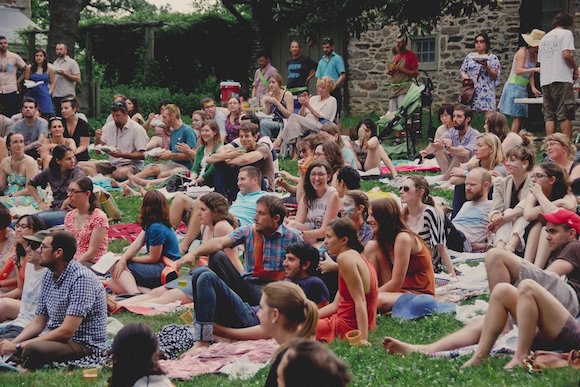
(400, 257)
(319, 205)
(87, 222)
(279, 103)
(134, 270)
(56, 138)
(75, 128)
(355, 303)
(524, 67)
(424, 219)
(233, 119)
(484, 69)
(15, 171)
(41, 73)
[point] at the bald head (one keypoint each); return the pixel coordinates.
(477, 184)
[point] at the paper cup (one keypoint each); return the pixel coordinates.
(91, 373)
(354, 338)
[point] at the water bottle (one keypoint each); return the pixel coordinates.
(323, 249)
(183, 276)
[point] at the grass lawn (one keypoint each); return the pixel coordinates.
(370, 366)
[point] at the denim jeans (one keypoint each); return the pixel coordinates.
(52, 217)
(249, 291)
(214, 301)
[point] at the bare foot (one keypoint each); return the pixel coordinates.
(475, 360)
(396, 347)
(128, 191)
(137, 180)
(112, 303)
(198, 344)
(515, 362)
(115, 183)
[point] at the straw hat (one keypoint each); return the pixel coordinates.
(534, 37)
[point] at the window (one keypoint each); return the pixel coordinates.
(427, 50)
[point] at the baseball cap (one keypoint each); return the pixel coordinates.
(562, 216)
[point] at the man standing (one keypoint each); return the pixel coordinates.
(456, 145)
(71, 312)
(563, 228)
(332, 65)
(127, 141)
(264, 243)
(301, 69)
(33, 127)
(9, 64)
(262, 74)
(402, 70)
(209, 106)
(559, 70)
(66, 75)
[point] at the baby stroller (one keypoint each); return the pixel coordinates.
(399, 120)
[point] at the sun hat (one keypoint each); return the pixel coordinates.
(534, 37)
(411, 306)
(562, 216)
(38, 237)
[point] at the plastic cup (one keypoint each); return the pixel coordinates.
(354, 338)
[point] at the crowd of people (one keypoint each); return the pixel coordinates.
(318, 274)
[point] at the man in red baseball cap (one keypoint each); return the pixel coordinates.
(562, 274)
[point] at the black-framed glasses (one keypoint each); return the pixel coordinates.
(43, 246)
(22, 226)
(33, 245)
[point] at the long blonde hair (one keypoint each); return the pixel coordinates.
(497, 156)
(292, 303)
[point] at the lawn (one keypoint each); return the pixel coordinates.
(370, 366)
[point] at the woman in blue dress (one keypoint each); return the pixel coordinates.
(37, 72)
(484, 69)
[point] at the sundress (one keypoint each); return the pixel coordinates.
(484, 97)
(15, 184)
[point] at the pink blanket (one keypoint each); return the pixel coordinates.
(130, 231)
(412, 168)
(212, 359)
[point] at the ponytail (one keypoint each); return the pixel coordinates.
(308, 328)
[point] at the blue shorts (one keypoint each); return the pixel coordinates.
(146, 274)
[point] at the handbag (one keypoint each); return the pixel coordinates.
(468, 90)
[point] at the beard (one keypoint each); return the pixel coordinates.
(474, 196)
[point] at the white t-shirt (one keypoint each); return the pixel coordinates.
(472, 220)
(30, 295)
(553, 66)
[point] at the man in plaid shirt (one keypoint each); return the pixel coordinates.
(70, 320)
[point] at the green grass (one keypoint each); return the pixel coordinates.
(370, 366)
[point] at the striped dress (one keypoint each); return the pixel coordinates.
(430, 228)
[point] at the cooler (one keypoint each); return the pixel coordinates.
(229, 89)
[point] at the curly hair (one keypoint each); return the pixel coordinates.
(219, 206)
(155, 208)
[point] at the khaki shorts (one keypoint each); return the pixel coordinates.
(553, 284)
(106, 168)
(169, 165)
(559, 103)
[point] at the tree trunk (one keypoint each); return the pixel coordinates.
(64, 24)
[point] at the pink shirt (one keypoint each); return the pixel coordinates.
(9, 64)
(83, 236)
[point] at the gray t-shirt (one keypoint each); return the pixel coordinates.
(31, 133)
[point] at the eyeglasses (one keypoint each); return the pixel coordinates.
(44, 246)
(18, 225)
(73, 191)
(538, 176)
(405, 188)
(479, 41)
(33, 245)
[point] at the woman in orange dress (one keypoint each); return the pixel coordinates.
(400, 257)
(355, 304)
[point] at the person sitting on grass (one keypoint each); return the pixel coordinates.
(543, 323)
(318, 206)
(216, 222)
(135, 353)
(56, 128)
(264, 242)
(243, 208)
(368, 149)
(399, 256)
(330, 152)
(161, 134)
(347, 179)
(331, 132)
(355, 303)
(15, 171)
(133, 270)
(496, 123)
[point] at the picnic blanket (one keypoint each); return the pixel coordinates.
(472, 282)
(150, 308)
(130, 231)
(506, 344)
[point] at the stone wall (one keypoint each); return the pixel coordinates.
(369, 55)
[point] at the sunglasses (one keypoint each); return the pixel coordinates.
(33, 245)
(405, 188)
(55, 118)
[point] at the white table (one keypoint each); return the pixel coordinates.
(536, 101)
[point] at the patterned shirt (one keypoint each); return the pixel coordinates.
(76, 292)
(468, 140)
(274, 247)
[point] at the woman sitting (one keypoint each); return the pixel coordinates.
(306, 146)
(8, 241)
(315, 112)
(158, 237)
(233, 119)
(369, 151)
(561, 151)
(198, 120)
(15, 269)
(15, 171)
(161, 135)
(87, 222)
(61, 171)
(355, 303)
(399, 256)
(319, 205)
(75, 128)
(56, 138)
(133, 110)
(279, 103)
(507, 194)
(330, 152)
(549, 190)
(497, 124)
(489, 155)
(135, 352)
(208, 144)
(423, 218)
(330, 132)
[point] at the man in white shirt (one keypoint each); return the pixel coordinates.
(66, 76)
(558, 72)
